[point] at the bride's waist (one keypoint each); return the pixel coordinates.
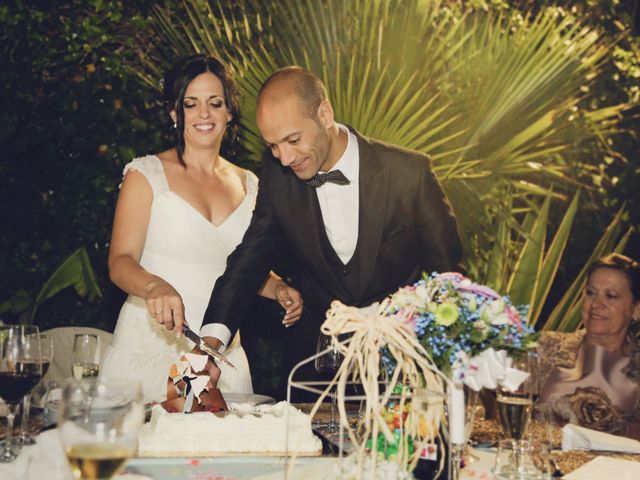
(196, 278)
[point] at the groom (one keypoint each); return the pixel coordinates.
(372, 223)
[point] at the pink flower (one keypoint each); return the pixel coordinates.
(479, 290)
(514, 316)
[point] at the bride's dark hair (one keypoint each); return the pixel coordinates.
(175, 84)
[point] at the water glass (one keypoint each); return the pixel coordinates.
(99, 425)
(327, 365)
(522, 460)
(52, 399)
(86, 356)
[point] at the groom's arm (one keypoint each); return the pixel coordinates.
(247, 268)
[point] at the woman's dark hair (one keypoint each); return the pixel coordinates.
(621, 263)
(175, 85)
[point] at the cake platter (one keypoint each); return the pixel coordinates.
(229, 468)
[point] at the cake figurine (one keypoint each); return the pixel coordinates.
(189, 388)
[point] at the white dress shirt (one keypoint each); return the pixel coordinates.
(339, 203)
(339, 206)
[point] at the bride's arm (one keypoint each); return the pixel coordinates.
(288, 297)
(127, 242)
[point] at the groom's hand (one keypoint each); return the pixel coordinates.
(211, 367)
(291, 300)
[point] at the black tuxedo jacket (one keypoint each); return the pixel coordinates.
(406, 226)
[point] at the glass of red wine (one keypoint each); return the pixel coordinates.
(46, 356)
(20, 371)
(327, 365)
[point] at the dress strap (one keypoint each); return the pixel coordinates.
(151, 167)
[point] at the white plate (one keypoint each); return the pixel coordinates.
(250, 398)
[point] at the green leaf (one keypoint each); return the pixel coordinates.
(523, 284)
(20, 302)
(75, 271)
(552, 261)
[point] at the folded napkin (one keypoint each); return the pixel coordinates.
(605, 467)
(45, 459)
(580, 438)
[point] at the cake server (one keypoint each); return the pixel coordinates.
(204, 346)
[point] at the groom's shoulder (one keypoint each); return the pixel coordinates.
(397, 155)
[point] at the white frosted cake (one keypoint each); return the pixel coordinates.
(264, 429)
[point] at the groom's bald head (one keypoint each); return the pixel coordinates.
(296, 81)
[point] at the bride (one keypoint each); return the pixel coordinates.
(180, 213)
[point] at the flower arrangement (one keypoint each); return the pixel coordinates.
(455, 320)
(441, 332)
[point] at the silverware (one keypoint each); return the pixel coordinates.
(204, 346)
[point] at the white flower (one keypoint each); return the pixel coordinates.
(493, 313)
(423, 292)
(501, 319)
(407, 298)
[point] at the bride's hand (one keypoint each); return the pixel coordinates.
(165, 305)
(291, 300)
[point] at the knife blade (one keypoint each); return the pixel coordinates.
(204, 346)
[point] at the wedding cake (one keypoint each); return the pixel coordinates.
(264, 429)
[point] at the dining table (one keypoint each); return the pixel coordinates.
(46, 459)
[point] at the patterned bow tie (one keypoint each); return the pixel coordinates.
(334, 176)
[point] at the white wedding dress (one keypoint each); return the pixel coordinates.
(190, 253)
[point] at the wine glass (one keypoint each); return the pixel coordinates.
(99, 422)
(20, 371)
(515, 404)
(46, 356)
(327, 365)
(86, 356)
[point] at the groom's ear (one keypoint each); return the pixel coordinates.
(326, 115)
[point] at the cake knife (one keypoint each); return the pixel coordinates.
(204, 346)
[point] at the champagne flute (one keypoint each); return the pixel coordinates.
(99, 422)
(86, 356)
(46, 356)
(327, 365)
(20, 371)
(515, 404)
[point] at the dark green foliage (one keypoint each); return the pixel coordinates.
(72, 115)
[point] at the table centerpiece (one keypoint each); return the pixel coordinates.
(443, 332)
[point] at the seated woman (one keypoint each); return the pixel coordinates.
(601, 389)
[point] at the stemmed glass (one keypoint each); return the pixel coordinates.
(86, 356)
(327, 365)
(515, 404)
(99, 423)
(20, 371)
(46, 356)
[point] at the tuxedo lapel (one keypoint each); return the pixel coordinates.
(306, 218)
(374, 192)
